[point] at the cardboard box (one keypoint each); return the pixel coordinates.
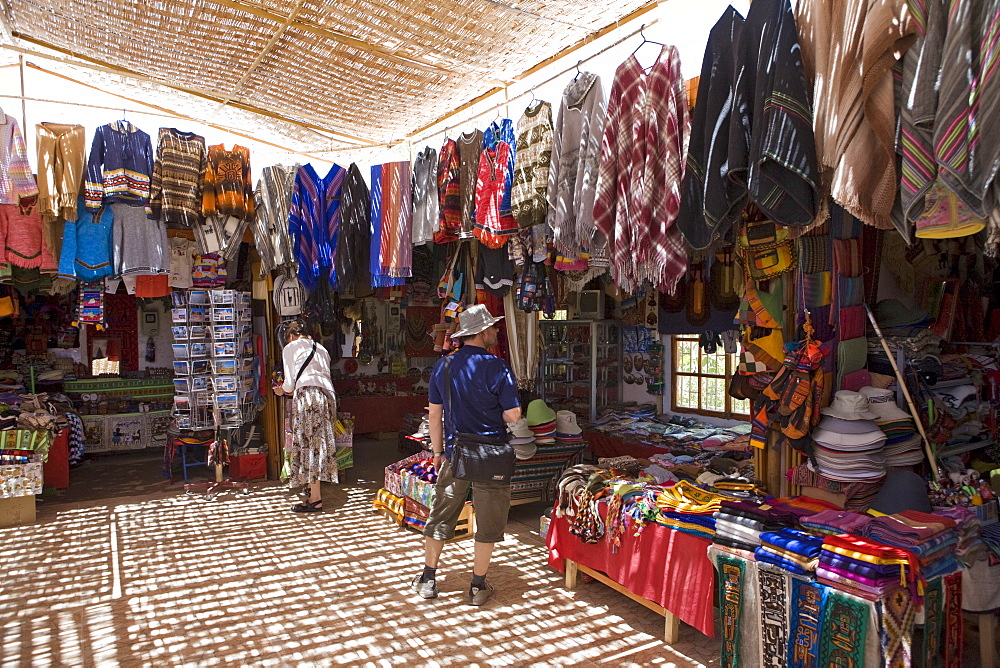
(17, 511)
(248, 467)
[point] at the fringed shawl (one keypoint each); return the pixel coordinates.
(850, 47)
(391, 211)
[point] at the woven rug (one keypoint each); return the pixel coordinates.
(732, 575)
(806, 604)
(953, 620)
(844, 630)
(933, 624)
(898, 612)
(772, 595)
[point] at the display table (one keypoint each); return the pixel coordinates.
(667, 571)
(606, 445)
(121, 429)
(381, 414)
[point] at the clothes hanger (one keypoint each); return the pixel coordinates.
(578, 72)
(645, 40)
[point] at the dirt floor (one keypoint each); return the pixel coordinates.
(124, 569)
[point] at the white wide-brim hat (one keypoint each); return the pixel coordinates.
(520, 429)
(883, 404)
(566, 423)
(475, 319)
(525, 450)
(848, 405)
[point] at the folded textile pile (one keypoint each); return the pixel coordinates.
(834, 522)
(864, 567)
(801, 506)
(848, 443)
(688, 508)
(970, 547)
(991, 537)
(738, 524)
(932, 538)
(793, 550)
(858, 495)
(902, 444)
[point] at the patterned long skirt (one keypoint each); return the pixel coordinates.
(313, 448)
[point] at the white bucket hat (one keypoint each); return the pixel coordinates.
(848, 405)
(520, 429)
(566, 423)
(475, 319)
(883, 404)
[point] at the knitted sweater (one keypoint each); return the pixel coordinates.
(531, 165)
(470, 145)
(16, 179)
(175, 190)
(86, 246)
(120, 166)
(23, 239)
(227, 189)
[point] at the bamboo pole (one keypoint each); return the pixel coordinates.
(928, 448)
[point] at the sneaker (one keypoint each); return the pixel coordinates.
(479, 595)
(428, 589)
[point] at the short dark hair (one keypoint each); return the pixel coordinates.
(294, 329)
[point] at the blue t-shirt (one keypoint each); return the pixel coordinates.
(482, 388)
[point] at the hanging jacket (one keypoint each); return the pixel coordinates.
(354, 248)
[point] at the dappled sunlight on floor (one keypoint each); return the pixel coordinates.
(241, 580)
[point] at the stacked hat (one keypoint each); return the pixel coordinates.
(902, 445)
(848, 442)
(522, 439)
(542, 422)
(567, 430)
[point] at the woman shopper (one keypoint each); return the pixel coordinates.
(313, 413)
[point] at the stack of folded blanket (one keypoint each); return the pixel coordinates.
(864, 567)
(686, 507)
(971, 547)
(833, 522)
(738, 524)
(932, 538)
(793, 550)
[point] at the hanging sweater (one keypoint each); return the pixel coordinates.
(531, 166)
(23, 239)
(120, 166)
(273, 198)
(354, 247)
(492, 227)
(86, 246)
(227, 189)
(449, 193)
(62, 154)
(425, 196)
(470, 145)
(497, 132)
(16, 180)
(642, 164)
(175, 189)
(576, 151)
(139, 243)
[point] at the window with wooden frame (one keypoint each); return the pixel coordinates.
(700, 381)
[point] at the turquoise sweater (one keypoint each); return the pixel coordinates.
(86, 247)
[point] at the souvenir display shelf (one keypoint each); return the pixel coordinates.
(130, 419)
(580, 365)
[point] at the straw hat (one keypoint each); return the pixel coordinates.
(849, 405)
(566, 423)
(475, 319)
(883, 404)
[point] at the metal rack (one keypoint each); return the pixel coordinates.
(580, 363)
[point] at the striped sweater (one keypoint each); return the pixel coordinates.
(175, 190)
(120, 166)
(227, 188)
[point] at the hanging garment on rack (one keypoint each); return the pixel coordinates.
(492, 227)
(21, 233)
(354, 246)
(425, 196)
(576, 151)
(494, 271)
(178, 172)
(854, 122)
(531, 166)
(710, 200)
(227, 189)
(120, 166)
(16, 180)
(139, 243)
(314, 222)
(86, 245)
(642, 164)
(771, 145)
(62, 154)
(391, 257)
(502, 131)
(470, 145)
(449, 194)
(273, 199)
(181, 262)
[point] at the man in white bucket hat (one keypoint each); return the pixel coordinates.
(482, 399)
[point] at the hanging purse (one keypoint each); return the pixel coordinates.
(766, 248)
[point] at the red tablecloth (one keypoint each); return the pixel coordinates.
(373, 414)
(605, 445)
(662, 565)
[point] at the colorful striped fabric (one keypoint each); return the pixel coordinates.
(502, 132)
(120, 166)
(314, 222)
(16, 179)
(392, 218)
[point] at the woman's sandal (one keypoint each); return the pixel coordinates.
(307, 507)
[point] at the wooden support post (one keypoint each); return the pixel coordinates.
(987, 640)
(671, 628)
(571, 569)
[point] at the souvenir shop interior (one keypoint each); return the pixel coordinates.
(753, 315)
